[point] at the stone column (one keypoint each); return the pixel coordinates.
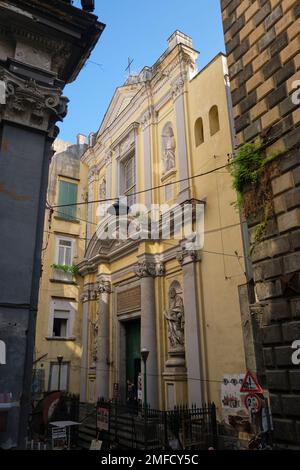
(192, 307)
(147, 271)
(108, 174)
(178, 97)
(102, 362)
(92, 177)
(85, 347)
(147, 163)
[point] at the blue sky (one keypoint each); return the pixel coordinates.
(136, 29)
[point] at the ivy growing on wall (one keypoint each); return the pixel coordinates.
(251, 171)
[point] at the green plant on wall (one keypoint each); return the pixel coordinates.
(67, 269)
(251, 171)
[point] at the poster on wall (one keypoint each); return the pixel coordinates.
(230, 392)
(102, 419)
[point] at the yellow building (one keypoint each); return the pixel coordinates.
(58, 334)
(163, 127)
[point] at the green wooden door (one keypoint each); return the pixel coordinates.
(133, 351)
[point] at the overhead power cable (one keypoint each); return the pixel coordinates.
(153, 188)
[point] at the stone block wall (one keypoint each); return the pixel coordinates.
(263, 45)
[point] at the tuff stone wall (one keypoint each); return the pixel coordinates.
(263, 46)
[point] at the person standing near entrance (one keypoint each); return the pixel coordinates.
(131, 397)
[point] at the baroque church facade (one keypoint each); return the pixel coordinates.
(163, 127)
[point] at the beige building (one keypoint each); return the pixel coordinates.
(58, 337)
(163, 127)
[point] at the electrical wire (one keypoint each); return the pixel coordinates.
(189, 178)
(97, 369)
(153, 188)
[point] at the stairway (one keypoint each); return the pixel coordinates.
(126, 431)
(87, 430)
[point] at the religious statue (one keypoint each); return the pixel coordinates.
(169, 146)
(102, 191)
(95, 326)
(175, 319)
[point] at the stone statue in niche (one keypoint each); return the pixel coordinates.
(175, 319)
(102, 190)
(95, 328)
(169, 147)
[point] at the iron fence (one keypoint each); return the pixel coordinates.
(139, 427)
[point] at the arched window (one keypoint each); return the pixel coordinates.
(214, 122)
(168, 148)
(199, 135)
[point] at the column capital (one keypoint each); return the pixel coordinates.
(104, 287)
(92, 174)
(147, 268)
(108, 157)
(185, 256)
(177, 86)
(147, 118)
(31, 104)
(84, 297)
(90, 292)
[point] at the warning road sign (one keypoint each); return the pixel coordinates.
(250, 384)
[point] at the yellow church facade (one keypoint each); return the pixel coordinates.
(164, 141)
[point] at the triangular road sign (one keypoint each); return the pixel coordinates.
(250, 384)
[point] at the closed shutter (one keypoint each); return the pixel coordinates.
(67, 195)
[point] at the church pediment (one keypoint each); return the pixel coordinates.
(119, 102)
(105, 251)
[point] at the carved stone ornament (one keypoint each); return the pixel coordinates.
(102, 189)
(149, 269)
(95, 330)
(178, 86)
(89, 293)
(108, 157)
(92, 175)
(185, 256)
(146, 118)
(175, 319)
(104, 287)
(84, 296)
(169, 147)
(30, 104)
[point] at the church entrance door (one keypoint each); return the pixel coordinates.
(133, 358)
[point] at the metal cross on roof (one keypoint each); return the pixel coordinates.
(128, 68)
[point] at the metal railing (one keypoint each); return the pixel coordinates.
(135, 426)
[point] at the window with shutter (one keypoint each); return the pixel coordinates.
(129, 179)
(67, 196)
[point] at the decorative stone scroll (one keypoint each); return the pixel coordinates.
(149, 269)
(31, 104)
(185, 256)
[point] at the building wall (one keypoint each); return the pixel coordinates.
(169, 92)
(262, 42)
(57, 286)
